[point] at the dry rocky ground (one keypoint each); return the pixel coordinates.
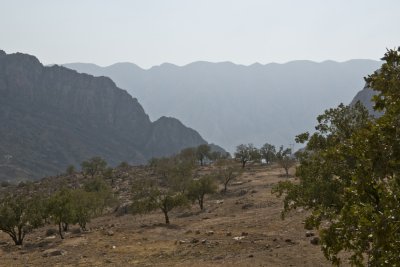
(240, 228)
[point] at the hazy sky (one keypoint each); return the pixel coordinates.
(150, 32)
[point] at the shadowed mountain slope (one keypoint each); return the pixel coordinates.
(52, 117)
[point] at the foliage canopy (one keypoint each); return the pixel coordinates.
(349, 175)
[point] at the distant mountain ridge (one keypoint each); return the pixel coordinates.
(51, 117)
(231, 104)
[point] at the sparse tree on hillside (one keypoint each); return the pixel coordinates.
(199, 188)
(123, 165)
(94, 166)
(85, 204)
(245, 153)
(61, 210)
(103, 195)
(147, 196)
(285, 159)
(349, 176)
(70, 170)
(203, 152)
(188, 155)
(20, 215)
(268, 153)
(228, 170)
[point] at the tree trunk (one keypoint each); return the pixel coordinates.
(287, 172)
(243, 164)
(226, 186)
(60, 230)
(65, 227)
(201, 201)
(166, 217)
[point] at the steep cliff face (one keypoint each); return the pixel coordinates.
(51, 117)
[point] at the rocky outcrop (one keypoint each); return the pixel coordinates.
(52, 117)
(365, 97)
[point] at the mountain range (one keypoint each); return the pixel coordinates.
(52, 117)
(231, 104)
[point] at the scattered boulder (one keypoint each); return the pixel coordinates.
(309, 234)
(217, 258)
(53, 252)
(247, 206)
(209, 233)
(110, 233)
(315, 240)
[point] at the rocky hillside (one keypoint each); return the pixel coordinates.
(231, 104)
(52, 117)
(365, 96)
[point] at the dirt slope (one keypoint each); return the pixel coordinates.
(241, 228)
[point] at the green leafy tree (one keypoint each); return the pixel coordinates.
(285, 159)
(227, 171)
(268, 153)
(19, 215)
(70, 170)
(85, 205)
(349, 176)
(188, 155)
(203, 152)
(201, 187)
(94, 166)
(61, 209)
(102, 196)
(245, 153)
(147, 197)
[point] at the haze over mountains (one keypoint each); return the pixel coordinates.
(52, 117)
(231, 104)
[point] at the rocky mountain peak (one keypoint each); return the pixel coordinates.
(53, 117)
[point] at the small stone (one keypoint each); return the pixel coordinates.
(110, 233)
(54, 252)
(204, 241)
(309, 234)
(194, 241)
(217, 258)
(228, 234)
(188, 232)
(114, 247)
(245, 234)
(209, 233)
(197, 232)
(251, 256)
(315, 240)
(288, 240)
